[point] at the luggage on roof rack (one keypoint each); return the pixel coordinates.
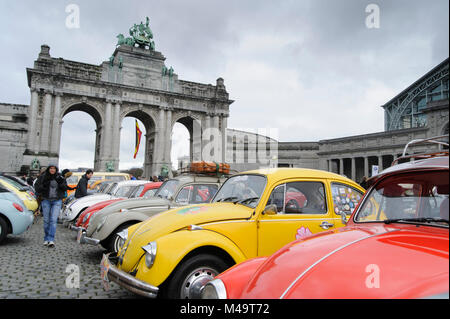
(209, 167)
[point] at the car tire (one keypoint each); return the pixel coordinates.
(113, 239)
(3, 229)
(188, 277)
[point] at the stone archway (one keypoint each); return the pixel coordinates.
(95, 113)
(193, 125)
(148, 140)
(132, 84)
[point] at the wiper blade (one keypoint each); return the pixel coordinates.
(226, 199)
(418, 219)
(246, 199)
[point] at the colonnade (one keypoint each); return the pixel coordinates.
(48, 107)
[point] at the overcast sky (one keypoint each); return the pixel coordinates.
(311, 69)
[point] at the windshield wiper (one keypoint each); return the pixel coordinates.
(246, 199)
(226, 199)
(418, 219)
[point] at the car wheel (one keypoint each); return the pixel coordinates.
(113, 243)
(3, 229)
(189, 277)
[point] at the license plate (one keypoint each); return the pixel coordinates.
(104, 267)
(80, 233)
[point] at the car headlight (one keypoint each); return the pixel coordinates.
(123, 236)
(215, 289)
(150, 253)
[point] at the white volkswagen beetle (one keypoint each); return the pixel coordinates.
(119, 189)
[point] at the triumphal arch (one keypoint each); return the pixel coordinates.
(133, 82)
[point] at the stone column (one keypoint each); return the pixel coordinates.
(196, 140)
(217, 146)
(56, 125)
(224, 137)
(380, 163)
(366, 166)
(32, 142)
(353, 169)
(108, 131)
(45, 132)
(158, 153)
(168, 138)
(206, 138)
(341, 166)
(116, 127)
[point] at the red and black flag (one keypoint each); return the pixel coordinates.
(138, 139)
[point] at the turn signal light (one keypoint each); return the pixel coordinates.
(18, 207)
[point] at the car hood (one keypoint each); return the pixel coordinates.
(133, 203)
(102, 204)
(373, 261)
(176, 219)
(154, 202)
(89, 200)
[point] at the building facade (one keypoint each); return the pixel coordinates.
(420, 111)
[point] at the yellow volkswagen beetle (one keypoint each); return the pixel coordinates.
(254, 213)
(28, 199)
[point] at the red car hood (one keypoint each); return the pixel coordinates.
(95, 208)
(369, 261)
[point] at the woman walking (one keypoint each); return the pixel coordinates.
(52, 187)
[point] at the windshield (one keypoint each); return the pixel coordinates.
(125, 191)
(411, 197)
(13, 183)
(168, 189)
(246, 189)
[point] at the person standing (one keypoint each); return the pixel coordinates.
(83, 184)
(51, 186)
(38, 195)
(66, 174)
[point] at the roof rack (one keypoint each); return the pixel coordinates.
(188, 171)
(425, 155)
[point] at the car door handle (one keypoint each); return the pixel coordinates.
(326, 225)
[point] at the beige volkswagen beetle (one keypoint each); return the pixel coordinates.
(106, 225)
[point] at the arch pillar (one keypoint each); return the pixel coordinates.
(114, 135)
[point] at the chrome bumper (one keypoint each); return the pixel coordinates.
(75, 228)
(83, 239)
(125, 280)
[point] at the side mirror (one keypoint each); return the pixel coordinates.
(270, 210)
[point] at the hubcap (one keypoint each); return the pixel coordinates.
(116, 245)
(195, 281)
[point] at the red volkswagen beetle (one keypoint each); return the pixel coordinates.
(395, 245)
(83, 220)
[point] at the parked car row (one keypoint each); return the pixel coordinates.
(165, 248)
(290, 233)
(268, 233)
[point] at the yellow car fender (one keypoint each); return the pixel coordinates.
(173, 247)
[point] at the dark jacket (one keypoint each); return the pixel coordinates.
(42, 185)
(82, 187)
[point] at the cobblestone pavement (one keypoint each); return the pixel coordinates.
(30, 270)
